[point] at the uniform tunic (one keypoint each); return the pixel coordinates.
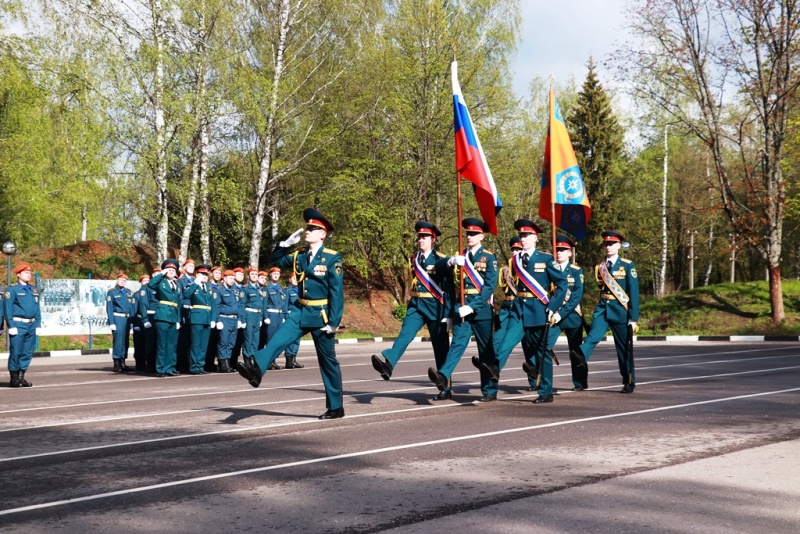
(202, 314)
(230, 310)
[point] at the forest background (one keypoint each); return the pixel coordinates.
(203, 128)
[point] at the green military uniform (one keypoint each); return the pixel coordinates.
(618, 306)
(426, 307)
(201, 316)
(167, 319)
(318, 311)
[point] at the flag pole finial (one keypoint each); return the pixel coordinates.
(454, 46)
(551, 80)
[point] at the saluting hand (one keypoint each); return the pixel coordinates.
(292, 239)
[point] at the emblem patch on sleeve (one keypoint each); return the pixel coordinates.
(338, 268)
(633, 272)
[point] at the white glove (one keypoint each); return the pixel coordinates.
(457, 260)
(136, 328)
(39, 330)
(633, 326)
(148, 324)
(292, 239)
(553, 317)
(328, 329)
(220, 325)
(463, 311)
(449, 322)
(266, 321)
(241, 324)
(12, 331)
(213, 325)
(113, 327)
(177, 326)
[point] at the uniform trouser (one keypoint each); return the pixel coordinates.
(514, 332)
(184, 339)
(227, 338)
(138, 344)
(237, 345)
(580, 375)
(121, 338)
(150, 344)
(620, 330)
(211, 350)
(197, 356)
(22, 345)
(412, 322)
(167, 340)
(252, 333)
(289, 332)
(533, 343)
(462, 332)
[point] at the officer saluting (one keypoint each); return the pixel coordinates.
(167, 317)
(426, 306)
(319, 309)
(617, 309)
(202, 317)
(24, 318)
(120, 308)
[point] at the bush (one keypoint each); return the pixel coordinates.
(399, 311)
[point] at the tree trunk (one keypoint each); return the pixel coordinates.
(205, 210)
(776, 294)
(662, 271)
(160, 176)
(265, 186)
(192, 199)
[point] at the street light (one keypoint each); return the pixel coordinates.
(9, 249)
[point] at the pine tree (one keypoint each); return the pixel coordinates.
(598, 142)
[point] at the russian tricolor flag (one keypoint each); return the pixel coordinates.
(470, 159)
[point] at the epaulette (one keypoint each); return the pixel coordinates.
(440, 255)
(626, 260)
(329, 251)
(487, 251)
(575, 265)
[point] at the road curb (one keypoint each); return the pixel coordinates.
(561, 340)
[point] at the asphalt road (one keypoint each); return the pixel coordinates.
(709, 442)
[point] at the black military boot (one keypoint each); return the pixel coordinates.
(117, 366)
(22, 383)
(224, 367)
(273, 366)
(14, 379)
(125, 368)
(291, 363)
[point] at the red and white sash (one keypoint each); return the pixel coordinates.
(529, 281)
(425, 279)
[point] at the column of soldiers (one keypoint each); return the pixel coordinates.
(220, 312)
(542, 297)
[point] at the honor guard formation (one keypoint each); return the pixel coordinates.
(199, 319)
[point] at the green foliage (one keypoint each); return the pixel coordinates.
(399, 311)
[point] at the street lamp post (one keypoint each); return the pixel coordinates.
(9, 249)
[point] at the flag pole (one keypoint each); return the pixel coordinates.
(552, 81)
(460, 212)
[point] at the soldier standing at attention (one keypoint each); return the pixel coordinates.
(167, 317)
(571, 313)
(2, 309)
(475, 315)
(238, 283)
(185, 336)
(427, 304)
(139, 331)
(618, 308)
(254, 314)
(120, 307)
(202, 318)
(214, 284)
(24, 318)
(230, 310)
(319, 309)
(147, 309)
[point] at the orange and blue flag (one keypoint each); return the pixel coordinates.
(470, 159)
(562, 181)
